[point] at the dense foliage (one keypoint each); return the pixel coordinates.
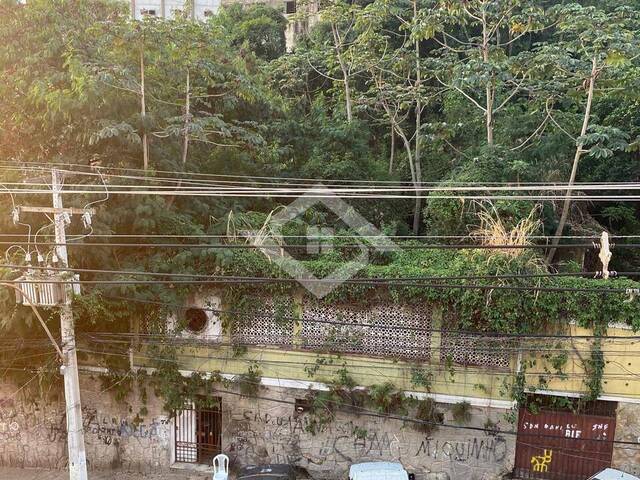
(417, 91)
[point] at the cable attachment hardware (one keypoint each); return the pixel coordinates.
(86, 219)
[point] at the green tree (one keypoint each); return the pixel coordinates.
(396, 80)
(594, 47)
(256, 29)
(476, 56)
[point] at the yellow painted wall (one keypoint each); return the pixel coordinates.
(621, 376)
(275, 363)
(622, 363)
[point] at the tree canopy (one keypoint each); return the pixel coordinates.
(406, 92)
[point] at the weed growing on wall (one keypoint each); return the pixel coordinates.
(430, 416)
(461, 412)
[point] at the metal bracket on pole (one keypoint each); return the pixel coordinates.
(69, 211)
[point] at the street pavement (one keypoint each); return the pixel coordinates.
(37, 474)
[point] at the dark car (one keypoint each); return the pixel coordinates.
(267, 472)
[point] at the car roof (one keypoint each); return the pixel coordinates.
(377, 471)
(378, 466)
(613, 474)
(266, 472)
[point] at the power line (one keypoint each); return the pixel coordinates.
(320, 194)
(259, 280)
(339, 236)
(45, 166)
(366, 412)
(479, 346)
(320, 191)
(375, 371)
(515, 276)
(107, 338)
(385, 246)
(351, 324)
(185, 185)
(339, 191)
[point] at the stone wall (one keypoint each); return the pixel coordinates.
(254, 431)
(627, 458)
(33, 434)
(267, 431)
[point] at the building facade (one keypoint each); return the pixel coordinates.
(298, 347)
(198, 9)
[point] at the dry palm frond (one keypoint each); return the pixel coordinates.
(239, 226)
(232, 233)
(266, 232)
(494, 232)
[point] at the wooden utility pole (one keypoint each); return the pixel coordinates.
(75, 432)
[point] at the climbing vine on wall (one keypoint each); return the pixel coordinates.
(385, 398)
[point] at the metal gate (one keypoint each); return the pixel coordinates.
(198, 434)
(563, 445)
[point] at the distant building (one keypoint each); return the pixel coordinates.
(202, 9)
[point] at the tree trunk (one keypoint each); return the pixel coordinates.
(345, 71)
(185, 137)
(489, 114)
(416, 156)
(187, 121)
(576, 160)
(143, 113)
(395, 127)
(409, 150)
(392, 154)
(489, 90)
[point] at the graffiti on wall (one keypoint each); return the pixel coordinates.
(541, 462)
(259, 437)
(109, 428)
(17, 419)
(487, 449)
(49, 423)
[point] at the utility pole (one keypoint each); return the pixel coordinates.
(75, 432)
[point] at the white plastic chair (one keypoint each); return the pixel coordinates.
(220, 467)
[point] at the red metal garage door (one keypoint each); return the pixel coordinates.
(563, 445)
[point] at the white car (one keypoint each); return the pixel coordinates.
(613, 474)
(378, 471)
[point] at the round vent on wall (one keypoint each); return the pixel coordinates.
(196, 320)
